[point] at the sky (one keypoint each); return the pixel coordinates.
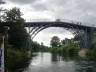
(77, 10)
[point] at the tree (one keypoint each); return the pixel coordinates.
(76, 38)
(35, 46)
(55, 41)
(18, 35)
(13, 15)
(17, 40)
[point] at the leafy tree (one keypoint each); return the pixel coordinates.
(1, 17)
(13, 15)
(17, 34)
(44, 48)
(55, 41)
(66, 49)
(17, 38)
(35, 46)
(76, 38)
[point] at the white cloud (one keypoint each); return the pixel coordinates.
(79, 10)
(22, 2)
(46, 35)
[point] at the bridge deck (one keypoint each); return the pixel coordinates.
(55, 24)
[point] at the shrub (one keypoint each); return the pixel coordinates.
(16, 59)
(67, 50)
(91, 52)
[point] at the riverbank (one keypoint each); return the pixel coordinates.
(90, 53)
(82, 52)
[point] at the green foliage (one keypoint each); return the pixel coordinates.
(13, 15)
(17, 51)
(36, 47)
(91, 52)
(44, 48)
(18, 35)
(67, 49)
(55, 41)
(93, 46)
(16, 60)
(76, 38)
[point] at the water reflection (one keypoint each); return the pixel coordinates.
(86, 66)
(55, 57)
(47, 62)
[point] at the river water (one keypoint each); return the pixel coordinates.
(47, 62)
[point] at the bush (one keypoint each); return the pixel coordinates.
(91, 52)
(70, 49)
(66, 50)
(16, 59)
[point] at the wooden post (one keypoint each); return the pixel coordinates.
(2, 53)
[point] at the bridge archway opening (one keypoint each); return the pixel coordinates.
(46, 34)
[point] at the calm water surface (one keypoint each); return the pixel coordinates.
(47, 62)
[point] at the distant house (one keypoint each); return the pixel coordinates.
(76, 41)
(67, 41)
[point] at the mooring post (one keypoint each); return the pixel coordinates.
(6, 28)
(3, 50)
(2, 63)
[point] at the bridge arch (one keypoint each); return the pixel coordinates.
(35, 32)
(36, 29)
(76, 29)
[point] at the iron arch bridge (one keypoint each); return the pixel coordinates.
(76, 28)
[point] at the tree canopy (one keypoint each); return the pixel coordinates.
(55, 41)
(18, 35)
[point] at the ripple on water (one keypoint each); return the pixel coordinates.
(43, 63)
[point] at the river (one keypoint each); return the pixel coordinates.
(47, 62)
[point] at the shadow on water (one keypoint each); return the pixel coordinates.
(57, 57)
(86, 66)
(26, 65)
(81, 64)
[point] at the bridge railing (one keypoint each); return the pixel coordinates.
(78, 22)
(70, 21)
(62, 20)
(40, 20)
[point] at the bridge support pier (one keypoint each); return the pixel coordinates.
(92, 36)
(83, 39)
(84, 36)
(89, 37)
